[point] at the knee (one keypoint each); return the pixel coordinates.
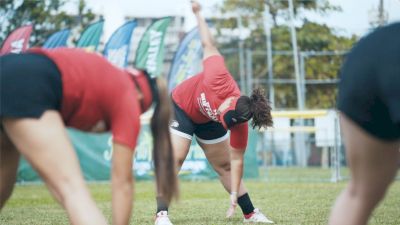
(65, 188)
(179, 162)
(368, 194)
(223, 168)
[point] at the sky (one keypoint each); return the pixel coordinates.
(354, 18)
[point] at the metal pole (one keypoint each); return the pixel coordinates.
(335, 159)
(267, 28)
(300, 100)
(241, 57)
(303, 75)
(249, 70)
(337, 147)
(300, 138)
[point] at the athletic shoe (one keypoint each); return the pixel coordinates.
(162, 218)
(257, 217)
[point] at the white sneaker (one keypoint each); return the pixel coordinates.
(257, 217)
(162, 218)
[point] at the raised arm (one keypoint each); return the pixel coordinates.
(207, 41)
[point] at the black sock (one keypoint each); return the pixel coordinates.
(161, 205)
(245, 204)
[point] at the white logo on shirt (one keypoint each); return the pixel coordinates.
(205, 108)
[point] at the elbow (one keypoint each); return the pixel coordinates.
(239, 163)
(208, 44)
(119, 178)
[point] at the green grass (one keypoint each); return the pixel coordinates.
(203, 203)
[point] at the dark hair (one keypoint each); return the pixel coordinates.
(164, 161)
(257, 107)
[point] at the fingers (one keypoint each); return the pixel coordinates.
(233, 200)
(230, 211)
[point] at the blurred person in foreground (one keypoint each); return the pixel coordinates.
(43, 91)
(207, 105)
(369, 104)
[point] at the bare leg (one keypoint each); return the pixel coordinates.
(181, 148)
(45, 144)
(218, 156)
(9, 158)
(373, 166)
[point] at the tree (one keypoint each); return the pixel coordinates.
(46, 16)
(311, 36)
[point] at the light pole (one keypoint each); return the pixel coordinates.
(267, 28)
(241, 55)
(300, 97)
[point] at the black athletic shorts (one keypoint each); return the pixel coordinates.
(207, 133)
(369, 89)
(29, 85)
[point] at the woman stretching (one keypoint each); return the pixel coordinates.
(44, 91)
(208, 105)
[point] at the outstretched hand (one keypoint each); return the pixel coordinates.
(196, 7)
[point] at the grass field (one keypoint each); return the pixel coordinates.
(203, 203)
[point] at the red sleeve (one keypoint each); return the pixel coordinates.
(125, 121)
(239, 136)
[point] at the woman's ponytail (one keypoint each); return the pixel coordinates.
(163, 155)
(261, 109)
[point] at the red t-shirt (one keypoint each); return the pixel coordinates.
(201, 95)
(95, 90)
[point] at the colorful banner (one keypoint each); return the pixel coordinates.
(58, 39)
(187, 60)
(118, 46)
(150, 52)
(90, 38)
(17, 41)
(95, 150)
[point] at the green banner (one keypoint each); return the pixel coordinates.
(90, 37)
(150, 52)
(95, 150)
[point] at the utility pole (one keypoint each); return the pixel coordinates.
(300, 137)
(300, 99)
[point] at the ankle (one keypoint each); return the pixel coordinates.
(245, 204)
(248, 215)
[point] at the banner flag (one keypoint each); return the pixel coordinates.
(187, 60)
(95, 154)
(90, 37)
(58, 39)
(150, 52)
(17, 41)
(118, 46)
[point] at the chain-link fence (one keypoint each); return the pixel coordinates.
(303, 145)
